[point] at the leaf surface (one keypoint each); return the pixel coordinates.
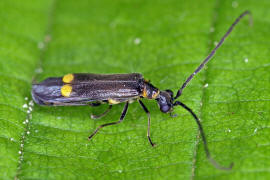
(163, 40)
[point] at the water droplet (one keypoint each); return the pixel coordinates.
(41, 45)
(255, 130)
(31, 103)
(137, 41)
(234, 4)
(39, 70)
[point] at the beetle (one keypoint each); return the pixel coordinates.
(96, 89)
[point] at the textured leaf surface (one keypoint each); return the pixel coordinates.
(163, 40)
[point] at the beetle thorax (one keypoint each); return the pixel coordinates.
(149, 91)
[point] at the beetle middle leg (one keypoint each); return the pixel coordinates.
(149, 122)
(124, 112)
(101, 115)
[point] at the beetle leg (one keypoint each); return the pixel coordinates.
(101, 115)
(95, 104)
(124, 112)
(149, 122)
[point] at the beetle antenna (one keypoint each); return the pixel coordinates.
(208, 155)
(211, 54)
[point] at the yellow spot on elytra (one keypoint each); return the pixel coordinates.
(68, 78)
(155, 94)
(66, 90)
(144, 93)
(113, 101)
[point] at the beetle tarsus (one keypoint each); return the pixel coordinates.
(152, 144)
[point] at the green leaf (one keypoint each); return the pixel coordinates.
(163, 40)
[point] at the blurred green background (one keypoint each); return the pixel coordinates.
(163, 40)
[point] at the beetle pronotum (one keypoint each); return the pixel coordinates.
(95, 89)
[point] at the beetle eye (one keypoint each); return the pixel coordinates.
(165, 108)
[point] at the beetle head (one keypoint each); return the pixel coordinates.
(165, 101)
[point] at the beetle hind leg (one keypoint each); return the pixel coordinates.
(124, 112)
(95, 104)
(101, 115)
